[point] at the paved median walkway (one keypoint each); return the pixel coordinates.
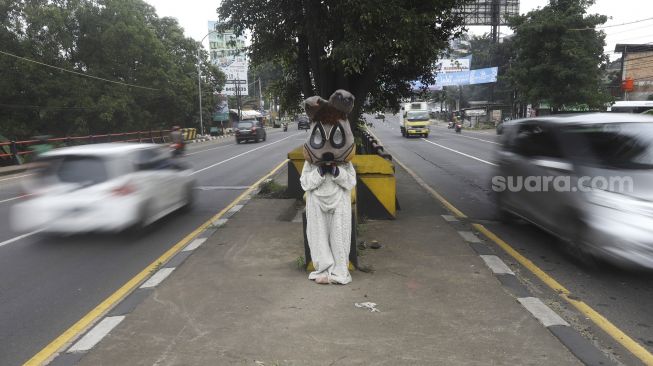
(240, 299)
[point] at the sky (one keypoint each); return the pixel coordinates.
(193, 16)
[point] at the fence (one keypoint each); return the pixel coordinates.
(14, 152)
(370, 145)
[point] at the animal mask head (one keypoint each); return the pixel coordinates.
(330, 140)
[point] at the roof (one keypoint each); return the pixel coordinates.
(110, 148)
(247, 114)
(590, 118)
(621, 47)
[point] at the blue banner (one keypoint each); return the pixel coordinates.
(478, 76)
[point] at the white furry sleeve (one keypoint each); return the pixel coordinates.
(347, 177)
(310, 178)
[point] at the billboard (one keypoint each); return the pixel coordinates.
(478, 76)
(226, 51)
(489, 12)
(454, 65)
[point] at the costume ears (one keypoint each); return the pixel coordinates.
(341, 101)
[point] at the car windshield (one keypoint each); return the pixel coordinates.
(418, 116)
(84, 170)
(245, 124)
(614, 145)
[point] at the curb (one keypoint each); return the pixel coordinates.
(75, 349)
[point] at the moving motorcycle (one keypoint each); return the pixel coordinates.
(450, 125)
(285, 126)
(459, 127)
(177, 149)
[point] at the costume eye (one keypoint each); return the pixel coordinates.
(318, 137)
(337, 136)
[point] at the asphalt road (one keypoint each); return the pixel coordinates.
(460, 167)
(47, 284)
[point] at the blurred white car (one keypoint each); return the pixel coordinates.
(102, 187)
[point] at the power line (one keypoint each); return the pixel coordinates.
(77, 73)
(610, 26)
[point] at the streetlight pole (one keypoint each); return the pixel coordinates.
(199, 80)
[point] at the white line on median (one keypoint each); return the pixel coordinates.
(239, 155)
(461, 153)
(469, 236)
(96, 334)
(496, 264)
(12, 199)
(20, 237)
(541, 312)
(16, 177)
(449, 218)
(194, 244)
(157, 278)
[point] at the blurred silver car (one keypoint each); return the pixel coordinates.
(102, 187)
(587, 179)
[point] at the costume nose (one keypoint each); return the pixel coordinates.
(327, 156)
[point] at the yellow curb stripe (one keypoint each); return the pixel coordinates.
(631, 345)
(90, 318)
(617, 334)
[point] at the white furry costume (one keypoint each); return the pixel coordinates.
(328, 220)
(328, 178)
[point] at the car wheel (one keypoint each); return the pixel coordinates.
(257, 140)
(503, 214)
(237, 141)
(578, 248)
(265, 137)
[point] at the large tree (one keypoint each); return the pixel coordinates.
(118, 40)
(373, 48)
(559, 55)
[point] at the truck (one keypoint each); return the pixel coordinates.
(415, 119)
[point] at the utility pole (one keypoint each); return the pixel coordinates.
(260, 96)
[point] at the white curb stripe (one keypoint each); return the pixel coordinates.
(96, 334)
(157, 277)
(236, 208)
(219, 222)
(450, 218)
(194, 244)
(496, 264)
(469, 236)
(543, 313)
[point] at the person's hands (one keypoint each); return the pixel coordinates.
(331, 169)
(322, 169)
(334, 170)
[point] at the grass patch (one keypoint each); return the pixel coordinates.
(271, 189)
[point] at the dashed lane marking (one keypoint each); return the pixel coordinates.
(460, 152)
(496, 264)
(469, 236)
(157, 278)
(96, 334)
(541, 312)
(194, 244)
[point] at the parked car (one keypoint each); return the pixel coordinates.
(599, 199)
(250, 130)
(303, 123)
(102, 187)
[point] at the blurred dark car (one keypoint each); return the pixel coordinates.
(250, 130)
(599, 199)
(303, 123)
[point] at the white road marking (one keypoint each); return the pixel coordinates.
(461, 153)
(469, 236)
(157, 277)
(96, 334)
(221, 188)
(16, 177)
(20, 237)
(474, 138)
(220, 222)
(496, 264)
(236, 208)
(541, 312)
(12, 199)
(239, 155)
(194, 245)
(450, 218)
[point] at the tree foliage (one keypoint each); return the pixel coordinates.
(372, 48)
(118, 40)
(559, 55)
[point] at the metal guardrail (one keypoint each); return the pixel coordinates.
(18, 149)
(370, 145)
